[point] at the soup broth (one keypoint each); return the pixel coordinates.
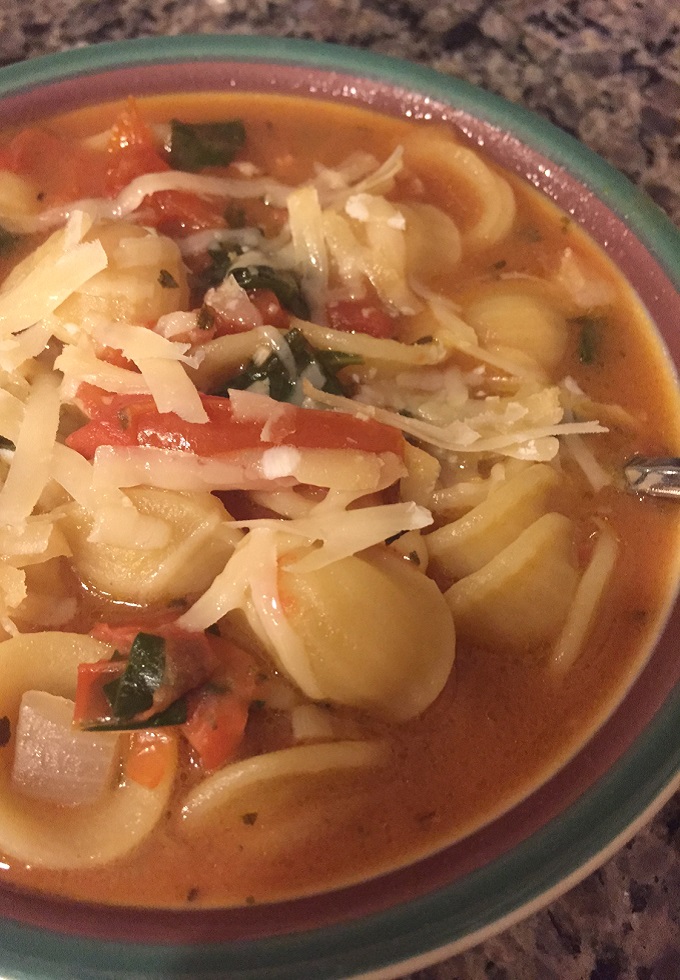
(316, 551)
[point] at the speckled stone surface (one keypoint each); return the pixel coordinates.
(607, 71)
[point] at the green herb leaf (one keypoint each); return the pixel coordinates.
(590, 337)
(284, 284)
(274, 372)
(6, 443)
(174, 714)
(197, 145)
(132, 693)
(167, 280)
(221, 258)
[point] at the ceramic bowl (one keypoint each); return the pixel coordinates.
(454, 899)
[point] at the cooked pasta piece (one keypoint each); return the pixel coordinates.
(464, 546)
(518, 601)
(200, 539)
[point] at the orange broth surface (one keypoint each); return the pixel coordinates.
(504, 723)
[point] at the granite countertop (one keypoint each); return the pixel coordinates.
(607, 71)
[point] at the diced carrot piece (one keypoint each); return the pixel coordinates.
(149, 756)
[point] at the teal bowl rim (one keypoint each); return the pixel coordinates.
(417, 932)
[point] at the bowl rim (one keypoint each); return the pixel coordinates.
(420, 931)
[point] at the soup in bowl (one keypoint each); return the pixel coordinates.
(317, 555)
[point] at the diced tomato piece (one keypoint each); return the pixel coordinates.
(176, 213)
(215, 726)
(132, 420)
(218, 713)
(132, 151)
(270, 308)
(91, 701)
(34, 152)
(359, 316)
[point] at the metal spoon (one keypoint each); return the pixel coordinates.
(654, 477)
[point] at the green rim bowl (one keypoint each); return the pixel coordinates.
(448, 902)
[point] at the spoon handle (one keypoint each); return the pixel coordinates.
(654, 477)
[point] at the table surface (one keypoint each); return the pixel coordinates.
(608, 72)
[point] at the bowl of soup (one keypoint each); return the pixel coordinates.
(332, 638)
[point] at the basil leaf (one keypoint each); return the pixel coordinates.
(197, 145)
(284, 284)
(174, 714)
(132, 693)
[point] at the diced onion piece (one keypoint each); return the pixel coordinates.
(311, 723)
(220, 790)
(587, 599)
(56, 762)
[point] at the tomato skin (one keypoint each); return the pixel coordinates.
(133, 420)
(360, 316)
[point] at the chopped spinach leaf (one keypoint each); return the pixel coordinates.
(167, 280)
(174, 714)
(274, 372)
(5, 731)
(589, 338)
(271, 372)
(6, 443)
(221, 257)
(132, 693)
(197, 145)
(8, 241)
(284, 284)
